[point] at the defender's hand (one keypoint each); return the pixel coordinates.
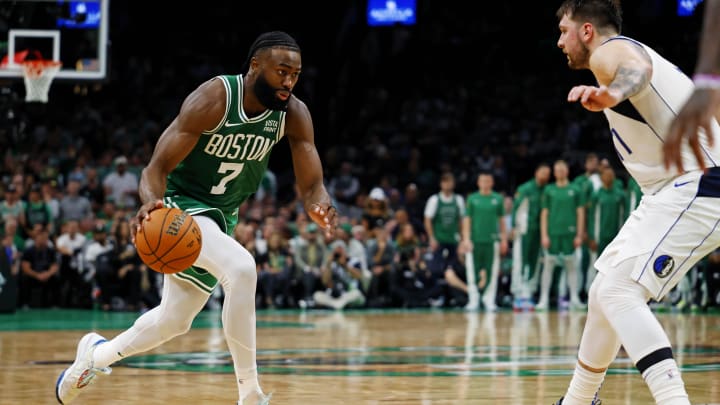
(697, 113)
(325, 216)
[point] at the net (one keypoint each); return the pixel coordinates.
(38, 75)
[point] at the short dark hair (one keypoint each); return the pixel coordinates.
(271, 39)
(602, 14)
(485, 172)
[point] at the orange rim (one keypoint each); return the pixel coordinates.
(34, 68)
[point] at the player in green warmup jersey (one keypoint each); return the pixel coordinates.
(485, 238)
(562, 222)
(588, 182)
(606, 214)
(526, 241)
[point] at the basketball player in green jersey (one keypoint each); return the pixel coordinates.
(562, 221)
(526, 243)
(606, 215)
(485, 237)
(208, 161)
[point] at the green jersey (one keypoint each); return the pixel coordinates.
(562, 204)
(484, 212)
(446, 221)
(526, 206)
(606, 213)
(585, 186)
(228, 163)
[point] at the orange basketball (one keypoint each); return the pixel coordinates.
(169, 241)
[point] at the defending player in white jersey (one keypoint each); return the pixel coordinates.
(675, 224)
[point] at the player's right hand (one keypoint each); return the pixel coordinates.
(594, 98)
(142, 214)
(698, 112)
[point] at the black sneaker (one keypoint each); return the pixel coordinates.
(595, 401)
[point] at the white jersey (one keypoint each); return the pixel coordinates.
(639, 125)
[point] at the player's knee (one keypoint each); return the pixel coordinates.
(614, 295)
(173, 323)
(242, 272)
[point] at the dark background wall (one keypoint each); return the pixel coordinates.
(468, 76)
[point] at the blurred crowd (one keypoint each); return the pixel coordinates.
(67, 239)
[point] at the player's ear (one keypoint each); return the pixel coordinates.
(254, 63)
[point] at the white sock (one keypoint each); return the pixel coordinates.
(247, 382)
(666, 384)
(105, 354)
(583, 386)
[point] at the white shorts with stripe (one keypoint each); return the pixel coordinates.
(668, 233)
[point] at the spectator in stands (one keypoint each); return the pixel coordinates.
(74, 206)
(309, 257)
(37, 212)
(276, 269)
(413, 283)
(377, 210)
(122, 184)
(126, 273)
(51, 195)
(415, 207)
(39, 279)
(12, 251)
(381, 255)
(344, 186)
(98, 257)
(93, 189)
(340, 282)
(74, 289)
(13, 206)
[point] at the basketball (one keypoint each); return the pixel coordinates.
(169, 241)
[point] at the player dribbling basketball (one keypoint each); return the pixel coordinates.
(207, 162)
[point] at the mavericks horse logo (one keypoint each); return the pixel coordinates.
(663, 266)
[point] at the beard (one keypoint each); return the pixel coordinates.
(581, 60)
(266, 94)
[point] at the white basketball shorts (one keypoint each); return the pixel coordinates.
(668, 233)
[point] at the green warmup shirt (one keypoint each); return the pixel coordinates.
(606, 214)
(446, 222)
(484, 212)
(526, 207)
(562, 204)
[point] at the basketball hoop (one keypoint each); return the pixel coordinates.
(38, 75)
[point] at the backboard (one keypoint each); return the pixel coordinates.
(73, 32)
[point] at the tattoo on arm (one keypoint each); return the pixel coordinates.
(629, 80)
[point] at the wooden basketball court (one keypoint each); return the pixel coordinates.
(355, 357)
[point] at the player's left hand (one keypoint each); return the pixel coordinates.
(325, 216)
(143, 214)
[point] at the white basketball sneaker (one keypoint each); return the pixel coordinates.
(256, 398)
(82, 372)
